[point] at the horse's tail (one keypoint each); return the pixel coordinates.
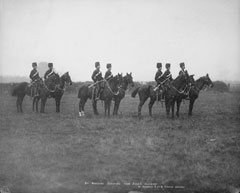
(135, 92)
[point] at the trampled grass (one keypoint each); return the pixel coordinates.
(60, 152)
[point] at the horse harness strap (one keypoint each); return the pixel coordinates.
(112, 90)
(180, 92)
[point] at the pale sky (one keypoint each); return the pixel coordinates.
(133, 35)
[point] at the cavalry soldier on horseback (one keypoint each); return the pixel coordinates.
(167, 77)
(182, 71)
(158, 76)
(49, 72)
(34, 76)
(97, 78)
(167, 74)
(185, 72)
(108, 74)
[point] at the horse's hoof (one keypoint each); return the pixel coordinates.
(80, 114)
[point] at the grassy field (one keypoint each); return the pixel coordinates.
(60, 152)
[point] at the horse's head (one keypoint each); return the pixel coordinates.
(191, 79)
(207, 81)
(66, 78)
(128, 79)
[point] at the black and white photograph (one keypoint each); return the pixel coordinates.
(119, 96)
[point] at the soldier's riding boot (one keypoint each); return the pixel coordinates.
(98, 94)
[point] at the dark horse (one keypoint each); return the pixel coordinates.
(110, 89)
(126, 80)
(54, 87)
(146, 91)
(194, 92)
(177, 87)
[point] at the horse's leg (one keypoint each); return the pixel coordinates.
(58, 100)
(173, 104)
(94, 104)
(167, 105)
(37, 101)
(20, 102)
(151, 103)
(114, 107)
(43, 102)
(109, 106)
(33, 103)
(105, 108)
(117, 106)
(17, 101)
(179, 100)
(141, 103)
(191, 103)
(80, 107)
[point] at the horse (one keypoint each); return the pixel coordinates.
(126, 80)
(53, 88)
(110, 89)
(146, 91)
(193, 92)
(176, 88)
(24, 88)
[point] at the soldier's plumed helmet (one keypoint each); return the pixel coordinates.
(97, 64)
(50, 65)
(159, 65)
(168, 65)
(109, 65)
(182, 64)
(34, 64)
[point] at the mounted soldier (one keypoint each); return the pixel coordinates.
(184, 73)
(97, 79)
(167, 78)
(35, 78)
(49, 72)
(108, 74)
(51, 78)
(158, 77)
(167, 74)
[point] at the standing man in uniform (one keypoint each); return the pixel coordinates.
(34, 76)
(96, 77)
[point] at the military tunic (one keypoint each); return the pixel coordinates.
(167, 74)
(158, 76)
(49, 73)
(97, 75)
(108, 75)
(34, 75)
